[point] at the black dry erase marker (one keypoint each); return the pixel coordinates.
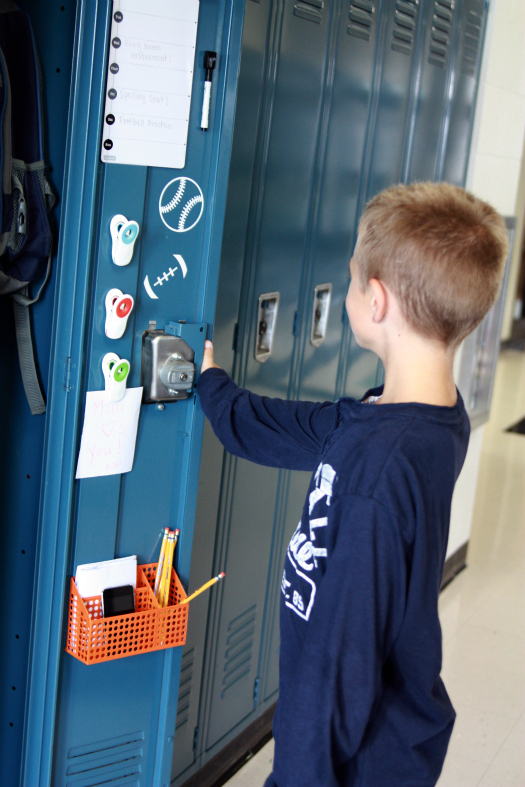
(210, 61)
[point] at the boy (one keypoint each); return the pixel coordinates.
(361, 700)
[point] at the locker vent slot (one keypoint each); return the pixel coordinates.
(310, 9)
(441, 34)
(239, 647)
(471, 44)
(186, 681)
(405, 26)
(115, 761)
(361, 17)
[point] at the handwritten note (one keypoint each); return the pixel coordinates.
(108, 439)
(149, 82)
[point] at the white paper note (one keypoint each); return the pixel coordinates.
(149, 82)
(92, 578)
(108, 439)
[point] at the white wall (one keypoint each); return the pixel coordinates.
(496, 174)
(496, 168)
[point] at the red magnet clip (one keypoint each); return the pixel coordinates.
(118, 309)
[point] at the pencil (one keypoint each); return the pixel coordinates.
(204, 587)
(160, 564)
(176, 534)
(173, 538)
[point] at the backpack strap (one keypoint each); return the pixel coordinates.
(26, 357)
(24, 341)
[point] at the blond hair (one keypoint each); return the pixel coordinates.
(440, 250)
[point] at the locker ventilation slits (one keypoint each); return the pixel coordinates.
(361, 16)
(239, 647)
(186, 681)
(405, 26)
(310, 9)
(471, 44)
(115, 761)
(441, 34)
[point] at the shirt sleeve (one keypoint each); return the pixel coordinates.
(332, 694)
(271, 432)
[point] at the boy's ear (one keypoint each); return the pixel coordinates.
(379, 299)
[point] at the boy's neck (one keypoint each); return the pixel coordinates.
(418, 370)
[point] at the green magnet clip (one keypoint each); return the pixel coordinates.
(116, 371)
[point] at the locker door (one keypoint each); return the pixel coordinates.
(333, 211)
(388, 125)
(432, 78)
(467, 62)
(272, 268)
(113, 722)
(253, 61)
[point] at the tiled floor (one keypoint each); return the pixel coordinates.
(482, 614)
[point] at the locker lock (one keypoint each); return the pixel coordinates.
(168, 368)
(177, 374)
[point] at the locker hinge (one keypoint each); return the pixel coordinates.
(67, 375)
(295, 323)
(235, 337)
(255, 693)
(195, 739)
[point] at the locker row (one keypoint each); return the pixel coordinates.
(335, 102)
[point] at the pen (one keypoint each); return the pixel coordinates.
(204, 587)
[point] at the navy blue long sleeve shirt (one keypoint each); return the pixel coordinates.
(361, 702)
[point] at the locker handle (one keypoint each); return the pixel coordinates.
(266, 322)
(320, 312)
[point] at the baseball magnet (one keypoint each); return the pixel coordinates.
(181, 204)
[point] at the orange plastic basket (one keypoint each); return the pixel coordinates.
(92, 638)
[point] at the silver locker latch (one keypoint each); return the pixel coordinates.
(320, 312)
(168, 369)
(266, 322)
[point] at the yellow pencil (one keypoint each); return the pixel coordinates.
(158, 575)
(204, 587)
(173, 538)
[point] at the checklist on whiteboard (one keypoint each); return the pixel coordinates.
(149, 82)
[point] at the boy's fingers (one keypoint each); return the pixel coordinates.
(207, 358)
(208, 350)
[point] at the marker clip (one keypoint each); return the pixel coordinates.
(124, 233)
(116, 371)
(118, 309)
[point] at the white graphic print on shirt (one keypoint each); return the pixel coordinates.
(299, 589)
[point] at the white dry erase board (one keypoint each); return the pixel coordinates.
(149, 82)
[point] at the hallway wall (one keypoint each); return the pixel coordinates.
(497, 159)
(497, 174)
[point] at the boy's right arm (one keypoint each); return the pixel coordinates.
(271, 432)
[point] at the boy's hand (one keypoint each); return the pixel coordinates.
(207, 358)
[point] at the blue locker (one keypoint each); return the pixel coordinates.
(432, 77)
(472, 19)
(274, 251)
(189, 740)
(22, 435)
(115, 722)
(329, 240)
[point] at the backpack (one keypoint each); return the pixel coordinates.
(26, 197)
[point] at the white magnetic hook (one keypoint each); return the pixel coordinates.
(124, 233)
